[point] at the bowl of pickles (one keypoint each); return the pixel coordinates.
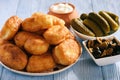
(92, 25)
(103, 51)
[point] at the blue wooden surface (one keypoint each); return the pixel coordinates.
(85, 68)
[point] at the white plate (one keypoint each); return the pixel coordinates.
(45, 73)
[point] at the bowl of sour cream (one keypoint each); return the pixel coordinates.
(65, 11)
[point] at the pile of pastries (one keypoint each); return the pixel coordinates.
(37, 44)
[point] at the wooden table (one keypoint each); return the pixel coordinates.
(85, 68)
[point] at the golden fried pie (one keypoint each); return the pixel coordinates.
(70, 36)
(29, 24)
(57, 21)
(46, 21)
(56, 34)
(21, 37)
(40, 63)
(10, 28)
(12, 56)
(36, 45)
(66, 52)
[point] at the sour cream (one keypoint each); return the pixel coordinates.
(62, 8)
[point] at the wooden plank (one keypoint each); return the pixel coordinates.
(111, 72)
(7, 9)
(8, 75)
(82, 6)
(23, 77)
(108, 5)
(24, 8)
(1, 70)
(62, 75)
(86, 69)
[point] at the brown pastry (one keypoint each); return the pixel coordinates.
(36, 45)
(29, 24)
(46, 21)
(70, 36)
(2, 42)
(12, 56)
(57, 21)
(56, 34)
(40, 63)
(66, 52)
(10, 28)
(21, 37)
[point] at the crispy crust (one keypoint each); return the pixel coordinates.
(21, 37)
(12, 56)
(29, 24)
(36, 45)
(46, 21)
(40, 63)
(56, 34)
(66, 52)
(10, 28)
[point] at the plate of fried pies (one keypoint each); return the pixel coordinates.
(38, 45)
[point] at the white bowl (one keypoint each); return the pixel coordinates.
(86, 37)
(105, 60)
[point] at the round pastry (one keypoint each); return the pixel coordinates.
(66, 52)
(29, 24)
(40, 63)
(12, 56)
(46, 21)
(21, 37)
(10, 28)
(57, 21)
(36, 45)
(56, 34)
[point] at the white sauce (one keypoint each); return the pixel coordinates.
(62, 8)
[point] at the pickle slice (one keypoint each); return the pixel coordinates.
(113, 16)
(80, 27)
(94, 27)
(103, 24)
(114, 26)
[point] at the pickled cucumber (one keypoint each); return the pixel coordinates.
(83, 16)
(114, 17)
(114, 26)
(80, 27)
(93, 26)
(100, 21)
